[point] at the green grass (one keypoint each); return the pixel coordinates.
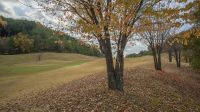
(27, 70)
(26, 64)
(33, 58)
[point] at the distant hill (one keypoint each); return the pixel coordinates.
(23, 36)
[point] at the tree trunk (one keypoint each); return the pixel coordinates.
(157, 57)
(110, 66)
(170, 54)
(159, 67)
(186, 59)
(119, 69)
(154, 59)
(114, 73)
(178, 57)
(110, 73)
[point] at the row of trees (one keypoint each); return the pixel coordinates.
(22, 36)
(184, 50)
(186, 44)
(116, 22)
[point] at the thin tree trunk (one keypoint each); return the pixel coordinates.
(159, 67)
(170, 54)
(154, 57)
(177, 57)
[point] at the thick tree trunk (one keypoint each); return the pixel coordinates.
(114, 73)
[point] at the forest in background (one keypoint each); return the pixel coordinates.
(23, 36)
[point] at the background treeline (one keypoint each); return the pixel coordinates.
(22, 36)
(187, 52)
(189, 44)
(195, 46)
(191, 51)
(141, 53)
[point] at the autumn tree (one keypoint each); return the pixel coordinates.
(3, 39)
(179, 43)
(155, 39)
(159, 25)
(3, 24)
(110, 22)
(177, 48)
(196, 37)
(23, 42)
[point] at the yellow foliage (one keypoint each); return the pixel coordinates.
(23, 42)
(2, 22)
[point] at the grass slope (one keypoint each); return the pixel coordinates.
(21, 73)
(145, 89)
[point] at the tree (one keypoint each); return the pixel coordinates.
(188, 40)
(110, 22)
(177, 43)
(170, 53)
(3, 24)
(23, 42)
(177, 51)
(196, 38)
(156, 39)
(161, 24)
(194, 44)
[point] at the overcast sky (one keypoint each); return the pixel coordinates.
(16, 9)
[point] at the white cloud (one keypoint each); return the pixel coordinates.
(135, 48)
